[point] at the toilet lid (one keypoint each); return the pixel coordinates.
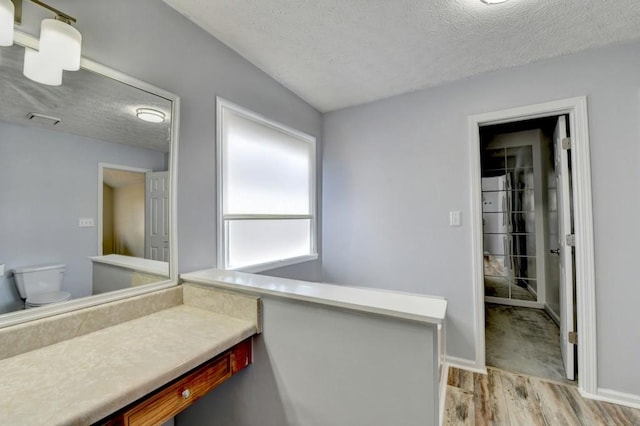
(47, 298)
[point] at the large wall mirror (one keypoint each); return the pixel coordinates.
(88, 188)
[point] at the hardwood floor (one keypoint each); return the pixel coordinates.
(503, 398)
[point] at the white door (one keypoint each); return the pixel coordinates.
(157, 212)
(563, 190)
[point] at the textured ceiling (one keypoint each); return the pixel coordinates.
(88, 104)
(338, 53)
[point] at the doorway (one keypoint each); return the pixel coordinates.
(133, 212)
(121, 221)
(522, 195)
(517, 257)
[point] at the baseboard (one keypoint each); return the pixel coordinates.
(615, 397)
(555, 317)
(442, 391)
(465, 364)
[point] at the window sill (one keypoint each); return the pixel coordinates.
(262, 267)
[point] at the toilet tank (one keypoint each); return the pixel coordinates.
(32, 280)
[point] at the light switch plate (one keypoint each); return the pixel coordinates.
(85, 222)
(454, 218)
(1, 270)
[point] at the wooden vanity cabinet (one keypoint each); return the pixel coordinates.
(170, 400)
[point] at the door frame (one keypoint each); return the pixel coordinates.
(101, 167)
(576, 109)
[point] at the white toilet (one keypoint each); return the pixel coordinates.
(41, 285)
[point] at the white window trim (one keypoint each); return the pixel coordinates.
(221, 247)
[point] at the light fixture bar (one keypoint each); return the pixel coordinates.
(59, 14)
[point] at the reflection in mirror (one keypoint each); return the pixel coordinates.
(508, 217)
(86, 185)
(123, 214)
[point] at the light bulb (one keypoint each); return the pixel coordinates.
(41, 70)
(7, 15)
(61, 44)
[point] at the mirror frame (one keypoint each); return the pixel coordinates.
(18, 317)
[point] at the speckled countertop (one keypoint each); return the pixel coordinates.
(84, 379)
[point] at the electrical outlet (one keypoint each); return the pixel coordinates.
(85, 222)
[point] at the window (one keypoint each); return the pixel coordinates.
(266, 192)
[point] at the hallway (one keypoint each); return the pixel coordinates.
(523, 340)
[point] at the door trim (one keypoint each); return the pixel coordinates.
(576, 108)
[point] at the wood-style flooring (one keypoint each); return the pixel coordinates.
(502, 398)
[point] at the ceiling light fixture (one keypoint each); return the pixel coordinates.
(60, 43)
(490, 2)
(150, 115)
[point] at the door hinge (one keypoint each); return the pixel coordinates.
(573, 337)
(566, 143)
(571, 240)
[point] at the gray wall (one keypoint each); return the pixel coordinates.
(394, 168)
(150, 41)
(322, 366)
(50, 180)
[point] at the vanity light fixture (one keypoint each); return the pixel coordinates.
(490, 2)
(60, 43)
(39, 70)
(151, 115)
(7, 12)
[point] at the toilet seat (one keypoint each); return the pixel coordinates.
(43, 299)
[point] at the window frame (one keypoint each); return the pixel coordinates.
(222, 241)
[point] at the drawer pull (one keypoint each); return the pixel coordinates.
(186, 394)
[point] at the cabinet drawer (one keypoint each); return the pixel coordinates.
(172, 399)
(175, 398)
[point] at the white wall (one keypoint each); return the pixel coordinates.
(394, 168)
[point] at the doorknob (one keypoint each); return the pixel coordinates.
(556, 251)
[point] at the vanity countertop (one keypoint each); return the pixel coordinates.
(84, 379)
(134, 263)
(415, 307)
